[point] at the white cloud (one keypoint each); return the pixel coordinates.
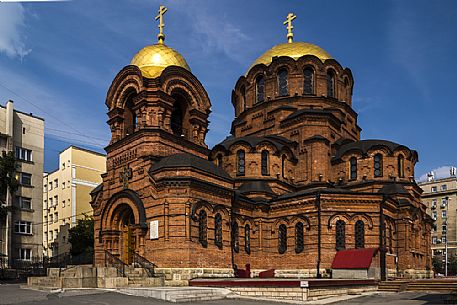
(12, 21)
(440, 172)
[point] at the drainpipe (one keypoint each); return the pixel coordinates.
(318, 205)
(382, 232)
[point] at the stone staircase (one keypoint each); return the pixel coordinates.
(138, 277)
(178, 294)
(393, 286)
(425, 285)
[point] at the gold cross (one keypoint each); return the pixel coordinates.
(290, 35)
(162, 11)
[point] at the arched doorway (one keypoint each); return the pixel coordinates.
(125, 220)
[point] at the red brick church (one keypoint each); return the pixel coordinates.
(290, 187)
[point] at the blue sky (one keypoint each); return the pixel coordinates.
(57, 60)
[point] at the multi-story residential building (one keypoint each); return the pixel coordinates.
(440, 196)
(21, 230)
(67, 195)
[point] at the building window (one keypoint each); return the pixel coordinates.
(401, 166)
(443, 240)
(51, 218)
(50, 202)
(56, 234)
(308, 86)
(25, 254)
(56, 217)
(46, 236)
(23, 154)
(443, 187)
(434, 189)
(45, 204)
(283, 166)
(25, 179)
(240, 163)
(353, 168)
(23, 227)
(243, 98)
(282, 239)
(247, 239)
(219, 160)
(434, 202)
(434, 240)
(443, 214)
(63, 185)
(434, 215)
(202, 228)
(378, 165)
(46, 219)
(50, 186)
(330, 83)
(444, 228)
(283, 87)
(299, 237)
(264, 163)
(56, 183)
(63, 203)
(340, 235)
(56, 200)
(443, 202)
(24, 202)
(260, 89)
(359, 234)
(218, 230)
(63, 166)
(235, 237)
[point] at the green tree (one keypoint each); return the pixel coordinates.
(81, 236)
(438, 265)
(8, 179)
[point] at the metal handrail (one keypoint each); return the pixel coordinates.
(144, 263)
(114, 261)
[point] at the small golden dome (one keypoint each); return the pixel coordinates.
(152, 60)
(294, 50)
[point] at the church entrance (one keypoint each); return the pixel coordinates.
(128, 238)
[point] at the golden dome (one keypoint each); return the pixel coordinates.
(152, 60)
(294, 50)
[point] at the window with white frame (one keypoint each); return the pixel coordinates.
(50, 186)
(63, 185)
(23, 154)
(56, 183)
(443, 187)
(51, 218)
(434, 189)
(443, 202)
(45, 204)
(50, 202)
(56, 200)
(443, 239)
(46, 236)
(434, 202)
(56, 233)
(56, 217)
(25, 254)
(443, 214)
(63, 203)
(23, 227)
(444, 228)
(434, 240)
(434, 215)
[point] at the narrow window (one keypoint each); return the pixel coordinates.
(283, 87)
(299, 240)
(235, 237)
(202, 228)
(218, 230)
(283, 166)
(176, 120)
(340, 235)
(282, 239)
(260, 89)
(353, 168)
(265, 162)
(243, 98)
(219, 160)
(378, 165)
(308, 85)
(401, 166)
(240, 163)
(247, 239)
(330, 83)
(359, 234)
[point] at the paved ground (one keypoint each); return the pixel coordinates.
(403, 298)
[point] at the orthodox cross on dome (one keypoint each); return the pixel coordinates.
(290, 35)
(162, 11)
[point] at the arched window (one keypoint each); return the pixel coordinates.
(299, 240)
(130, 118)
(353, 168)
(378, 165)
(243, 98)
(340, 235)
(247, 239)
(235, 237)
(359, 234)
(401, 166)
(283, 166)
(265, 163)
(218, 230)
(219, 160)
(330, 83)
(283, 86)
(260, 89)
(176, 120)
(308, 85)
(282, 239)
(202, 228)
(240, 165)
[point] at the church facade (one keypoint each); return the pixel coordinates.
(292, 185)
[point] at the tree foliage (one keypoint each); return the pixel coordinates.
(8, 179)
(81, 236)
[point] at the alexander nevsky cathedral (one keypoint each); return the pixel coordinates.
(292, 186)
